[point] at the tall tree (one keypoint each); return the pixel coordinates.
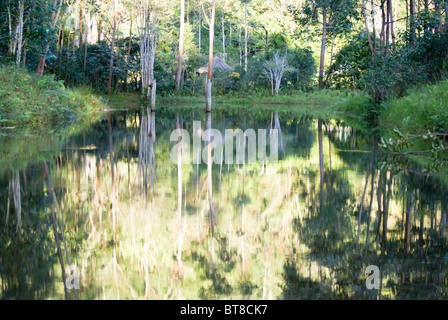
(336, 16)
(19, 35)
(245, 35)
(100, 20)
(81, 15)
(208, 85)
(181, 43)
(112, 48)
(57, 5)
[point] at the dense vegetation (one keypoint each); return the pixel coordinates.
(35, 103)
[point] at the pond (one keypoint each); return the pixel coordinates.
(125, 220)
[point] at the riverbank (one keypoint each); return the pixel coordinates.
(32, 104)
(421, 110)
(317, 103)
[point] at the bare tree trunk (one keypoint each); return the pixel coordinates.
(100, 21)
(412, 19)
(223, 32)
(387, 24)
(20, 32)
(85, 46)
(239, 47)
(383, 22)
(367, 28)
(245, 36)
(208, 87)
(322, 47)
(112, 48)
(200, 26)
(81, 13)
(151, 62)
(181, 44)
(11, 35)
(391, 21)
(372, 8)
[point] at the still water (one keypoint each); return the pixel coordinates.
(132, 224)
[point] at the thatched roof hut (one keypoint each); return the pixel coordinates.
(217, 64)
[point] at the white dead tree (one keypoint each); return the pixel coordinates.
(274, 70)
(16, 36)
(147, 31)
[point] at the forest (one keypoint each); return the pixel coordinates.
(92, 91)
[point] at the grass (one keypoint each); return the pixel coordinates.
(34, 104)
(423, 109)
(317, 98)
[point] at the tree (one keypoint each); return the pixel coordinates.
(112, 48)
(147, 31)
(181, 43)
(274, 70)
(337, 16)
(208, 84)
(54, 18)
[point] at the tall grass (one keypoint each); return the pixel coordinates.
(422, 109)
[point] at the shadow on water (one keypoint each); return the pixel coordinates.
(135, 224)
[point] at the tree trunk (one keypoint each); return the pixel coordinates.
(387, 24)
(54, 19)
(100, 21)
(383, 22)
(322, 48)
(112, 48)
(199, 27)
(11, 37)
(412, 19)
(223, 35)
(208, 88)
(20, 33)
(245, 36)
(80, 23)
(181, 44)
(391, 21)
(240, 51)
(85, 46)
(367, 28)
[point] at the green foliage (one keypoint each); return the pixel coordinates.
(33, 103)
(350, 63)
(401, 146)
(70, 66)
(422, 109)
(303, 73)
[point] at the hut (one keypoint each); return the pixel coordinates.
(218, 65)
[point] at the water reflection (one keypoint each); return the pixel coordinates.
(306, 227)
